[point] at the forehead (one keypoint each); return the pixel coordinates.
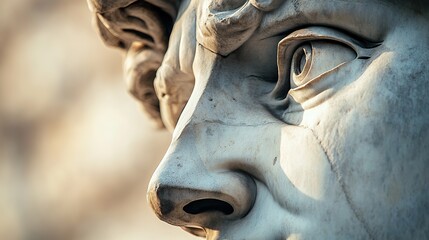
(223, 26)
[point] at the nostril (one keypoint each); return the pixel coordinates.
(208, 205)
(189, 201)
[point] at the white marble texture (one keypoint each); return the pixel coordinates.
(303, 120)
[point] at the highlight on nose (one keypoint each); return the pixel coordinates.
(196, 192)
(198, 204)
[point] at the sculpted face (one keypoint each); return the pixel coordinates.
(303, 120)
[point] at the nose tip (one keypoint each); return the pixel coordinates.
(202, 203)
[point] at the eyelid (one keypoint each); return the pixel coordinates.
(287, 46)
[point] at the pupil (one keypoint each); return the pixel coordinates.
(302, 61)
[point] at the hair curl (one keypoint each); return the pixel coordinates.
(226, 24)
(141, 28)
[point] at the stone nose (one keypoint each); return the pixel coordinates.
(185, 192)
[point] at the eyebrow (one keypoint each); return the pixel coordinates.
(356, 18)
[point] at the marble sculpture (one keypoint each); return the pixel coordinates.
(293, 119)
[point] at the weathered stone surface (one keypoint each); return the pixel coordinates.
(308, 118)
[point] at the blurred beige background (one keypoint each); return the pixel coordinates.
(76, 153)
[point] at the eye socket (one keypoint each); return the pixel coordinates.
(309, 54)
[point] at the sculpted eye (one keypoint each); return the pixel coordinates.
(305, 57)
(312, 59)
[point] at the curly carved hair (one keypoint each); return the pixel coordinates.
(141, 28)
(224, 20)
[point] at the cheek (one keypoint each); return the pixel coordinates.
(305, 163)
(356, 112)
(375, 116)
(374, 133)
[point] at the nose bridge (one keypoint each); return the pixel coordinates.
(186, 189)
(211, 99)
